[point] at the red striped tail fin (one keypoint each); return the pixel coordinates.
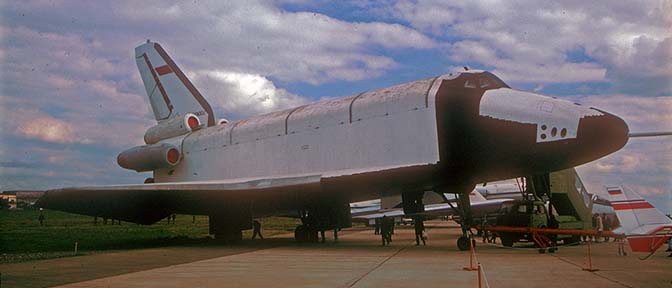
(645, 227)
(170, 92)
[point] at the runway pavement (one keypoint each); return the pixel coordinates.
(357, 260)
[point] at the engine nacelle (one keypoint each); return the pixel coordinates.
(172, 127)
(149, 157)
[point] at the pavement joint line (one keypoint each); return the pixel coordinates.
(571, 263)
(598, 274)
(568, 262)
(355, 281)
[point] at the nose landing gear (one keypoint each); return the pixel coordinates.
(464, 210)
(463, 242)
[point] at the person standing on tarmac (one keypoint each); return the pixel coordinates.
(390, 229)
(606, 220)
(257, 229)
(419, 229)
(41, 217)
(600, 227)
(385, 231)
(324, 239)
(337, 228)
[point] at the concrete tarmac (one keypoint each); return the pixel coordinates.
(358, 260)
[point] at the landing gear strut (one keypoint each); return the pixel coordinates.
(464, 210)
(227, 229)
(227, 224)
(307, 231)
(321, 217)
(304, 234)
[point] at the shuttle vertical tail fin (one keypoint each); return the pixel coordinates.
(170, 92)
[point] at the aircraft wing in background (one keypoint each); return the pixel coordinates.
(479, 205)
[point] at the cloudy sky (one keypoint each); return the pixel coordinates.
(71, 97)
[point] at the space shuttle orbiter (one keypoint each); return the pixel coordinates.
(443, 134)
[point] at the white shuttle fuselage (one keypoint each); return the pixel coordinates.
(372, 131)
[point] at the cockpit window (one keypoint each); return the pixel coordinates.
(485, 80)
(491, 81)
(470, 83)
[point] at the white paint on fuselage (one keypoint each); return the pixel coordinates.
(545, 112)
(390, 128)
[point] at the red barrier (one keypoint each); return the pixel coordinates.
(471, 258)
(590, 261)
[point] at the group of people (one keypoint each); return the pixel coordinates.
(256, 226)
(601, 222)
(95, 221)
(385, 228)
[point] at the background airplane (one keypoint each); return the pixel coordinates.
(644, 226)
(442, 134)
(480, 207)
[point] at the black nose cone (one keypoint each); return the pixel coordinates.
(601, 135)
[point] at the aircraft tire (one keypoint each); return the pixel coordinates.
(463, 243)
(301, 234)
(507, 239)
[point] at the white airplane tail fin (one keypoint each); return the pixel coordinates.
(170, 91)
(645, 227)
(476, 197)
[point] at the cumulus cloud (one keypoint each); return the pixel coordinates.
(644, 163)
(627, 43)
(48, 129)
(242, 94)
(641, 112)
(248, 36)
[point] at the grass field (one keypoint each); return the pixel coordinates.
(22, 238)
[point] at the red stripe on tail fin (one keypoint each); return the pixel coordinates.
(631, 206)
(163, 70)
(615, 192)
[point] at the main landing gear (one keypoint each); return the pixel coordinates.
(227, 225)
(305, 234)
(319, 218)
